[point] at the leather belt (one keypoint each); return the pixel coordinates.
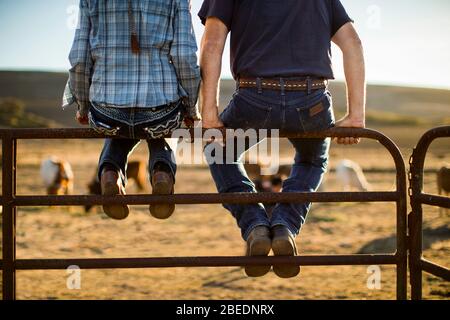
(277, 83)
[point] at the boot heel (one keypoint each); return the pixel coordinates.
(116, 212)
(162, 185)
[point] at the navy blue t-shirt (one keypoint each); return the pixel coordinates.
(283, 38)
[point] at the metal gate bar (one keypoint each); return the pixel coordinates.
(10, 201)
(232, 198)
(216, 261)
(8, 216)
(416, 262)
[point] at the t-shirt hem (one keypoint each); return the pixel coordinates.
(223, 19)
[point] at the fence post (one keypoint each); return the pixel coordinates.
(9, 217)
(402, 246)
(415, 252)
(401, 218)
(415, 228)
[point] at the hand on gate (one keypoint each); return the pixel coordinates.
(350, 122)
(82, 119)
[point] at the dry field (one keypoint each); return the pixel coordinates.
(210, 230)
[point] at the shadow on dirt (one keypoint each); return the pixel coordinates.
(388, 244)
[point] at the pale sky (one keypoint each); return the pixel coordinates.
(407, 42)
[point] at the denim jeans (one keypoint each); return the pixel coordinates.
(116, 151)
(289, 111)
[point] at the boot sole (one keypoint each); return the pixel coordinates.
(260, 247)
(283, 247)
(162, 211)
(117, 212)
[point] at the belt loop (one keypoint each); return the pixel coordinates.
(238, 83)
(309, 84)
(282, 86)
(259, 85)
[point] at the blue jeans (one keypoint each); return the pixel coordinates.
(116, 151)
(290, 111)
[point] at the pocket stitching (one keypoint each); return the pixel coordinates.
(321, 122)
(269, 111)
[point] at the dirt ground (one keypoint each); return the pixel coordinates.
(206, 230)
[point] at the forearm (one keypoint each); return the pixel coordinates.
(354, 68)
(211, 66)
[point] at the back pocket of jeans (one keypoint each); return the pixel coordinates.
(245, 112)
(165, 128)
(319, 116)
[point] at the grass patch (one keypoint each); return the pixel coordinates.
(394, 119)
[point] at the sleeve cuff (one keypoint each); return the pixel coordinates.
(69, 99)
(221, 18)
(340, 25)
(192, 112)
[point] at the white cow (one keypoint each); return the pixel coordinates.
(57, 176)
(351, 176)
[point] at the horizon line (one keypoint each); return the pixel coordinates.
(339, 80)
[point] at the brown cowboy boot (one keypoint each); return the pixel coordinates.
(258, 244)
(162, 184)
(111, 185)
(283, 244)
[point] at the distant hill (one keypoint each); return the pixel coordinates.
(13, 115)
(42, 92)
(428, 105)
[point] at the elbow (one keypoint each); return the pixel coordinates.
(354, 41)
(357, 42)
(77, 68)
(353, 46)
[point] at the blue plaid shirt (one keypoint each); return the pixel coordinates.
(105, 71)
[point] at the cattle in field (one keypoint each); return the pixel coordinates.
(255, 171)
(57, 176)
(267, 183)
(443, 183)
(351, 177)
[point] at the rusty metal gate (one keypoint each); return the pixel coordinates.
(10, 201)
(417, 263)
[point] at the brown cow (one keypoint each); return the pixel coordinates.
(443, 184)
(267, 183)
(57, 176)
